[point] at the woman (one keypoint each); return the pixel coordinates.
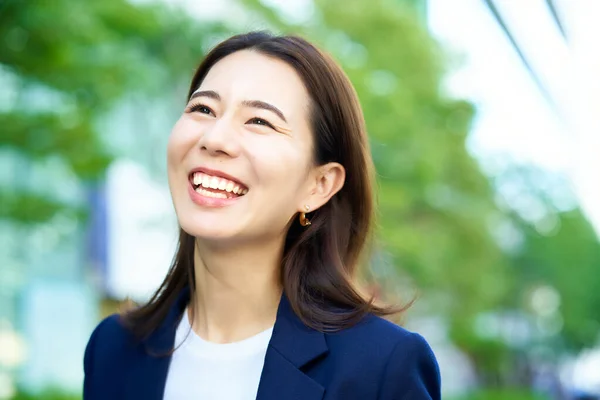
(271, 178)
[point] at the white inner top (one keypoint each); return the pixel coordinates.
(203, 370)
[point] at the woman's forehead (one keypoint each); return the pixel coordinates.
(250, 75)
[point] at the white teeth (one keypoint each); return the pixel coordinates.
(197, 179)
(207, 181)
(211, 194)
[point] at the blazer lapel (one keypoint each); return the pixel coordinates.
(148, 373)
(292, 346)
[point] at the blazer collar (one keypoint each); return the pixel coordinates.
(147, 375)
(161, 341)
(292, 346)
(295, 341)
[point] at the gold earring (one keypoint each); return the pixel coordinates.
(303, 220)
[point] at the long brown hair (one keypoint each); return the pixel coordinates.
(320, 261)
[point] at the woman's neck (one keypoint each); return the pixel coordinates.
(237, 291)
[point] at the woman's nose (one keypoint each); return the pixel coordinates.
(220, 139)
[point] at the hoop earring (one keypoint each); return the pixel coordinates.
(303, 220)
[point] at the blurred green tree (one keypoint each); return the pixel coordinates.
(65, 64)
(558, 261)
(567, 261)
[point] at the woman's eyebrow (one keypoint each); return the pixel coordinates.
(265, 106)
(206, 93)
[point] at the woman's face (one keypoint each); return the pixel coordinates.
(240, 157)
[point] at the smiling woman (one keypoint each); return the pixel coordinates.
(271, 179)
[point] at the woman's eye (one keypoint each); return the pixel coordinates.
(260, 121)
(200, 108)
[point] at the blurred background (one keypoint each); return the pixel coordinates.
(483, 117)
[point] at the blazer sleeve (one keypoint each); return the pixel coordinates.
(88, 363)
(412, 372)
(90, 358)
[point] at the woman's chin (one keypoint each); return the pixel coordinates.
(209, 224)
(209, 233)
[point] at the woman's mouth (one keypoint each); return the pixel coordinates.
(216, 187)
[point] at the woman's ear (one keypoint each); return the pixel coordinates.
(326, 181)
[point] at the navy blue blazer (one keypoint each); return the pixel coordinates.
(374, 359)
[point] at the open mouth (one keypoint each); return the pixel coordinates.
(216, 186)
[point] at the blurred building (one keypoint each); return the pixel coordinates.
(46, 302)
(532, 69)
(55, 275)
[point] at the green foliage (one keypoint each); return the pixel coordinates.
(505, 394)
(70, 137)
(50, 394)
(568, 260)
(31, 208)
(67, 64)
(488, 355)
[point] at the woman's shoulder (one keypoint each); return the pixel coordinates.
(400, 360)
(384, 331)
(377, 337)
(111, 329)
(102, 360)
(109, 338)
